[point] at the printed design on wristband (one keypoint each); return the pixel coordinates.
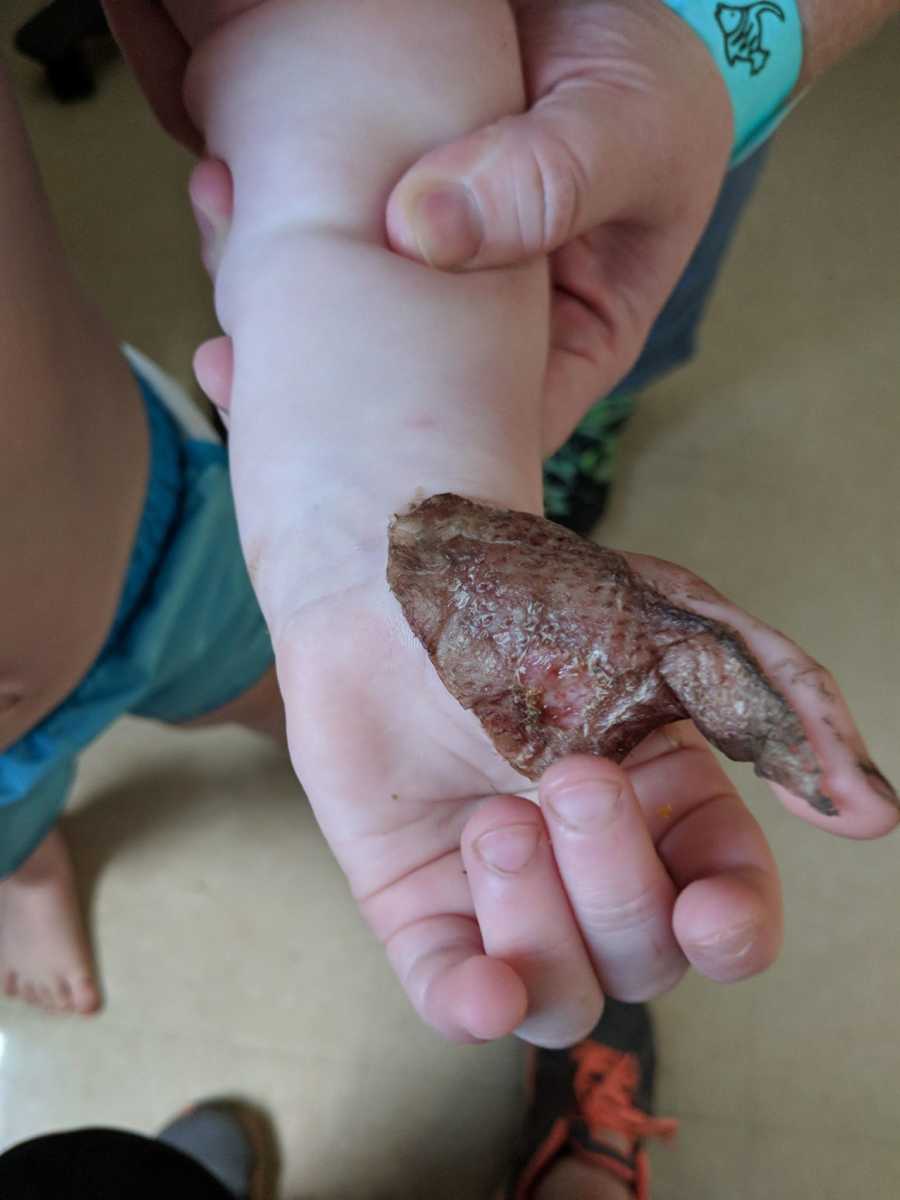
(743, 32)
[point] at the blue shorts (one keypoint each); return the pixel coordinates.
(187, 637)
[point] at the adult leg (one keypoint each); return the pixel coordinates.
(221, 1150)
(105, 1164)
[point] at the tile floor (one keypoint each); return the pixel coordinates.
(232, 957)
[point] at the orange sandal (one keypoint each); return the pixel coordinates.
(598, 1087)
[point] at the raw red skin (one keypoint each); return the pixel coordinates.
(558, 647)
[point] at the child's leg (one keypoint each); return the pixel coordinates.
(74, 448)
(73, 488)
(44, 954)
(45, 958)
(73, 475)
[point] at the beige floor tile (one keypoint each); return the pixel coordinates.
(724, 1160)
(234, 961)
(353, 1128)
(772, 461)
(232, 956)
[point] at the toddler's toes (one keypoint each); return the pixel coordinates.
(46, 997)
(45, 957)
(85, 995)
(63, 995)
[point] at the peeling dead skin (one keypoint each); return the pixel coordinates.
(559, 647)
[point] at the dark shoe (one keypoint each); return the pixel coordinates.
(578, 478)
(602, 1085)
(59, 37)
(234, 1141)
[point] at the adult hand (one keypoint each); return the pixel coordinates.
(614, 171)
(158, 55)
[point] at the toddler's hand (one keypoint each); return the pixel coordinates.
(498, 915)
(663, 868)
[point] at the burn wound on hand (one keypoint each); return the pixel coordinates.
(560, 646)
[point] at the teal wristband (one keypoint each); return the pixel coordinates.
(758, 47)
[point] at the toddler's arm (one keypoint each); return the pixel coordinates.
(361, 379)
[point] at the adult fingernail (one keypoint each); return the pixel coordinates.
(731, 945)
(447, 226)
(508, 849)
(590, 804)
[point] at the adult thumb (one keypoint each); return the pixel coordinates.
(528, 184)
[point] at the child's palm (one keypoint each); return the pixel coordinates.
(405, 783)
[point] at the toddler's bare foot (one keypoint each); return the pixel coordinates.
(44, 953)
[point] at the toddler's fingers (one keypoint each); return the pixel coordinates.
(212, 198)
(214, 370)
(867, 805)
(526, 921)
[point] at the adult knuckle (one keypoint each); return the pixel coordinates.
(556, 182)
(622, 914)
(654, 985)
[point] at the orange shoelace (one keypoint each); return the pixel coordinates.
(604, 1085)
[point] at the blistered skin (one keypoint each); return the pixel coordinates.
(558, 647)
